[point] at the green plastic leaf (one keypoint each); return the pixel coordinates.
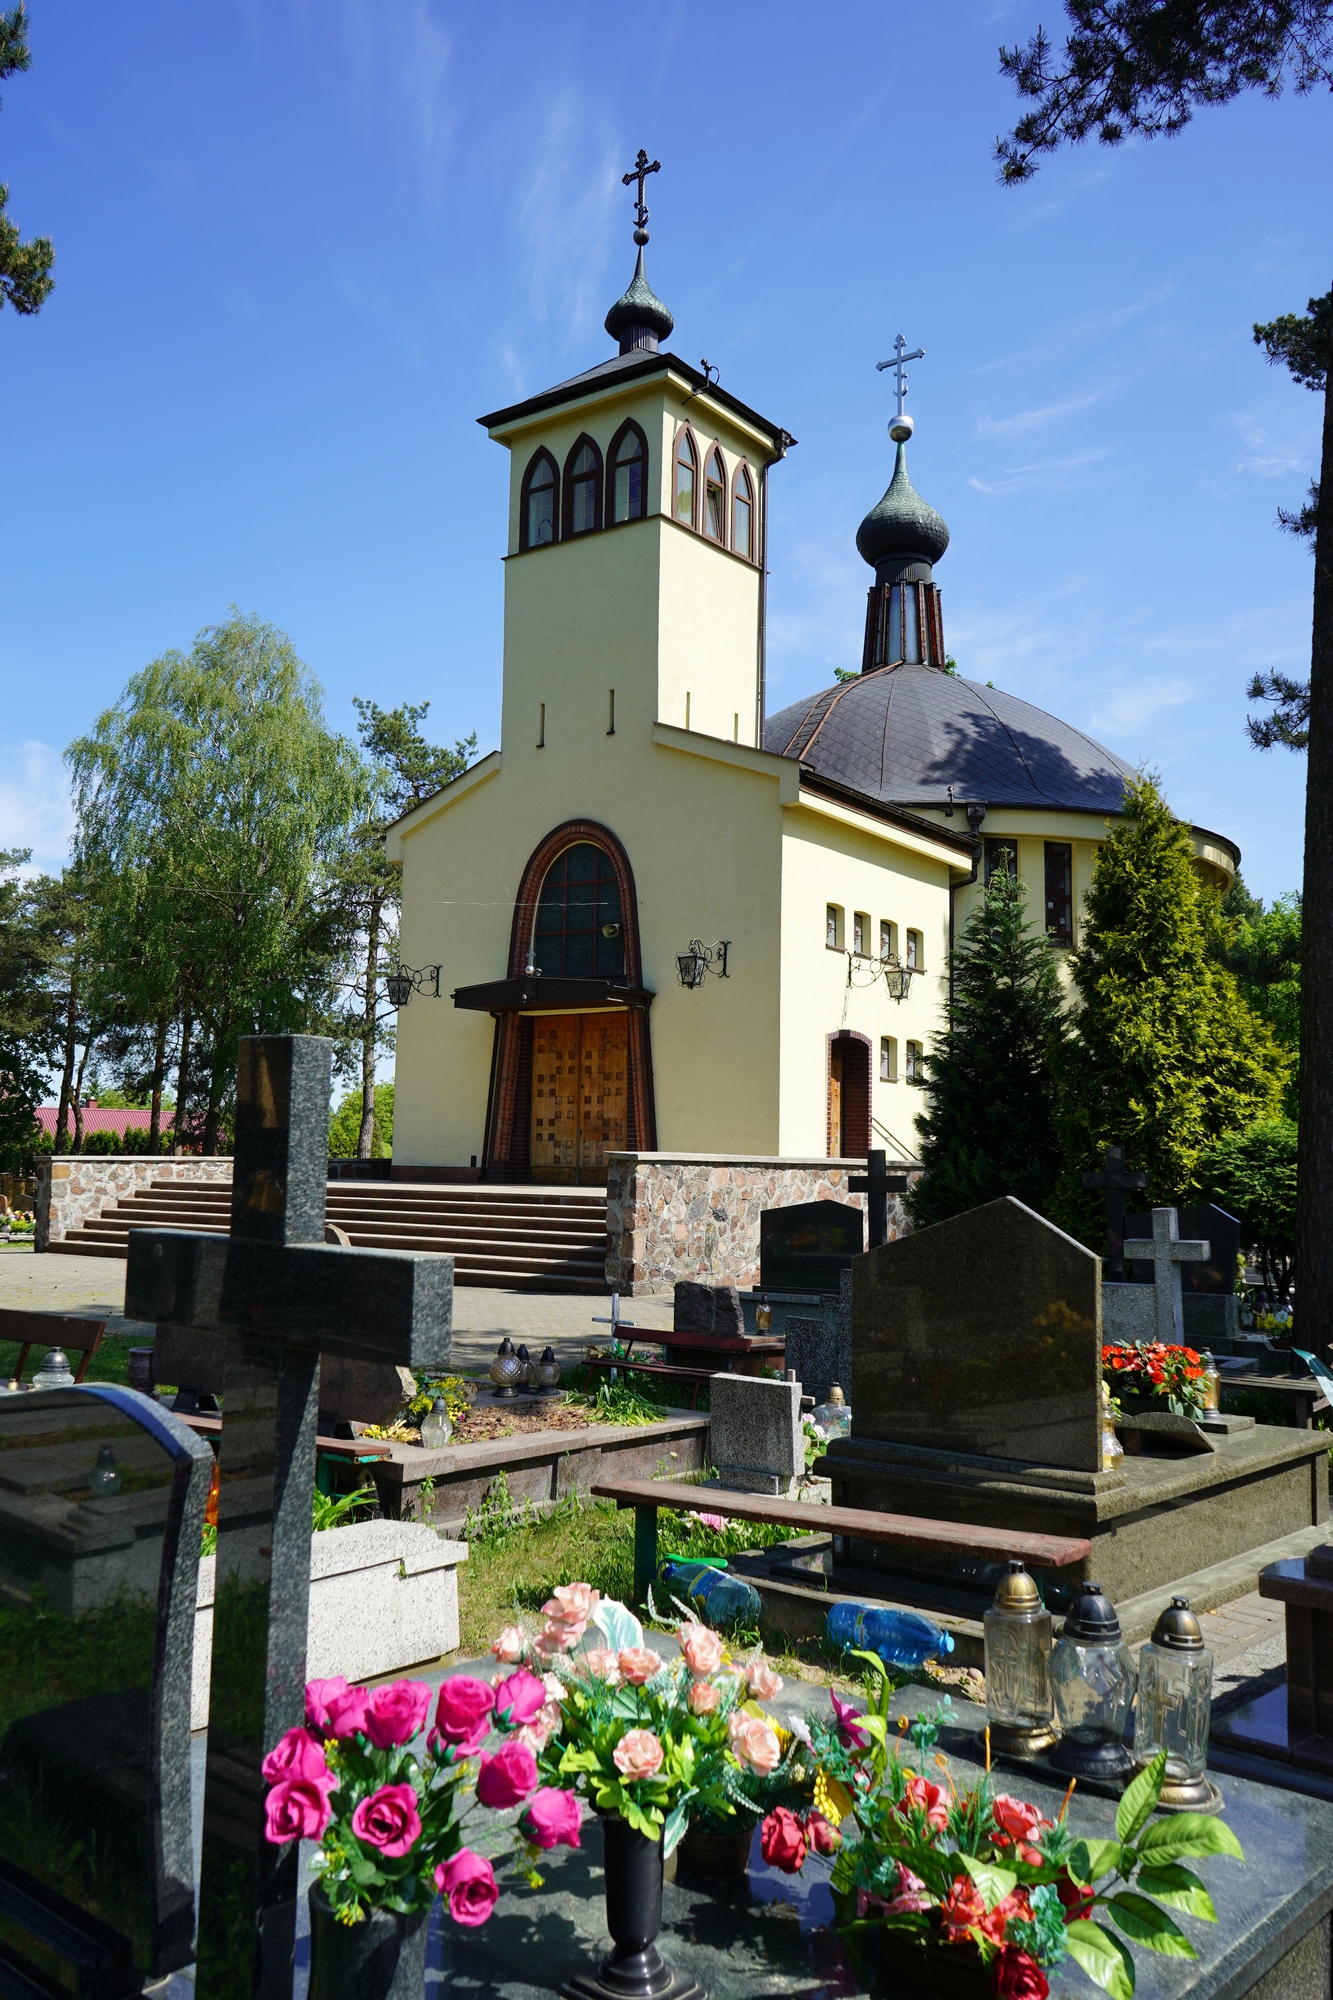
(1176, 1886)
(673, 1832)
(1135, 1808)
(1187, 1834)
(1146, 1924)
(993, 1883)
(1102, 1957)
(1088, 1860)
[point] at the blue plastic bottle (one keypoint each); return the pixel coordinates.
(719, 1598)
(901, 1638)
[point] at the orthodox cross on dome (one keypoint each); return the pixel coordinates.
(639, 172)
(901, 427)
(1114, 1179)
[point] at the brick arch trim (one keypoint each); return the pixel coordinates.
(571, 834)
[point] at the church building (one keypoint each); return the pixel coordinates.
(664, 919)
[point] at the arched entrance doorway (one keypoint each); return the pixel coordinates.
(848, 1096)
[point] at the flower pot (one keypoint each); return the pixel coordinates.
(720, 1857)
(382, 1958)
(948, 1971)
(636, 1969)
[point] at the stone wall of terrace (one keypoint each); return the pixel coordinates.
(73, 1188)
(696, 1215)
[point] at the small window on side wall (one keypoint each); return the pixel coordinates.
(833, 927)
(888, 941)
(1059, 892)
(537, 522)
(742, 516)
(860, 934)
(916, 958)
(585, 478)
(687, 474)
(914, 1069)
(629, 475)
(1001, 853)
(715, 498)
(888, 1059)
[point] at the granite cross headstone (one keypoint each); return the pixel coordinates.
(806, 1246)
(1166, 1253)
(281, 1297)
(877, 1184)
(1116, 1178)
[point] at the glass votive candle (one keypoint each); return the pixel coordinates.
(1175, 1706)
(1018, 1636)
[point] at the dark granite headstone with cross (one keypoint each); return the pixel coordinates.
(807, 1246)
(281, 1298)
(877, 1184)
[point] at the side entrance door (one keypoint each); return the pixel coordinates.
(578, 1096)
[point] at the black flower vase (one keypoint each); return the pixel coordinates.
(636, 1969)
(381, 1958)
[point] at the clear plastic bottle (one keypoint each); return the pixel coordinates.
(719, 1597)
(901, 1638)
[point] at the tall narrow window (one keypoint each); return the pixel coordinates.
(915, 957)
(742, 517)
(538, 518)
(687, 468)
(860, 934)
(888, 941)
(833, 927)
(1059, 892)
(715, 498)
(584, 478)
(628, 476)
(914, 1069)
(1001, 853)
(894, 650)
(888, 1059)
(579, 932)
(911, 626)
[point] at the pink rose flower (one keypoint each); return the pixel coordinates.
(510, 1646)
(638, 1664)
(911, 1894)
(507, 1777)
(558, 1637)
(519, 1699)
(468, 1880)
(601, 1664)
(388, 1819)
(754, 1742)
(713, 1521)
(463, 1714)
(347, 1713)
(318, 1695)
(822, 1837)
(296, 1809)
(297, 1755)
(552, 1818)
(702, 1649)
(555, 1687)
(703, 1697)
(395, 1713)
(572, 1603)
(536, 1735)
(763, 1681)
(638, 1754)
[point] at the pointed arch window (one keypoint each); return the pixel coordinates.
(629, 476)
(538, 503)
(579, 931)
(686, 479)
(715, 498)
(742, 516)
(583, 488)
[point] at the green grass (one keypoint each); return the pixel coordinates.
(111, 1363)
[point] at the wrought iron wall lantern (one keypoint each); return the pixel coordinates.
(700, 959)
(897, 978)
(403, 982)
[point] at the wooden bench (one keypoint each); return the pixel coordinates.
(354, 1451)
(611, 1362)
(645, 1496)
(1304, 1392)
(46, 1330)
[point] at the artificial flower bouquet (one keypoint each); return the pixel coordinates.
(656, 1742)
(388, 1822)
(1149, 1368)
(940, 1871)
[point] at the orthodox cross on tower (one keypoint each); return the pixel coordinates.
(639, 172)
(1115, 1178)
(901, 427)
(877, 1185)
(1167, 1253)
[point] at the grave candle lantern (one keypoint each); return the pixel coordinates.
(1018, 1628)
(436, 1429)
(1175, 1704)
(1092, 1678)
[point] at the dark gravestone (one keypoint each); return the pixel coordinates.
(281, 1298)
(981, 1334)
(1209, 1224)
(808, 1246)
(102, 1499)
(708, 1309)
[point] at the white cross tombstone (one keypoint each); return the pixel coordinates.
(1166, 1253)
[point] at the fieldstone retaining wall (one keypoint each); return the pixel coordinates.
(696, 1215)
(73, 1188)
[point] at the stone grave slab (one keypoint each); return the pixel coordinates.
(707, 1309)
(755, 1439)
(102, 1499)
(806, 1246)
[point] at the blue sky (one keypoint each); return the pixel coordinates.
(302, 244)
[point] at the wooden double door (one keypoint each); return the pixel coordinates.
(579, 1096)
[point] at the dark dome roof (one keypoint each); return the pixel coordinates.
(903, 524)
(637, 308)
(904, 734)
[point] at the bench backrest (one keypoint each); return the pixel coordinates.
(45, 1330)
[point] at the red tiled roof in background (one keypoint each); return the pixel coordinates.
(97, 1118)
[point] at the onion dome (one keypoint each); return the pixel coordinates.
(903, 528)
(638, 318)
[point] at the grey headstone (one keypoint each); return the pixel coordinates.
(185, 1358)
(714, 1309)
(1208, 1224)
(102, 1498)
(819, 1348)
(981, 1334)
(807, 1246)
(363, 1392)
(755, 1438)
(1129, 1313)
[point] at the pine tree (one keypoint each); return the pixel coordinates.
(989, 1129)
(1165, 1054)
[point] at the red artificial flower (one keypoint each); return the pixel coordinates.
(782, 1841)
(921, 1796)
(1016, 1975)
(1075, 1900)
(962, 1910)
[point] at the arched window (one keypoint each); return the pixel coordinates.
(687, 478)
(629, 476)
(742, 516)
(538, 518)
(579, 931)
(583, 488)
(715, 498)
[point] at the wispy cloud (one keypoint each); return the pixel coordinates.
(1024, 421)
(1075, 335)
(572, 168)
(406, 49)
(35, 806)
(1273, 451)
(1055, 475)
(1124, 709)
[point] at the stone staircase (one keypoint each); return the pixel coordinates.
(530, 1239)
